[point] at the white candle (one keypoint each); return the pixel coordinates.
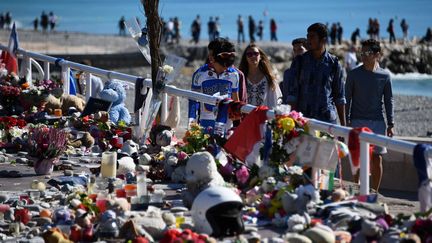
(109, 164)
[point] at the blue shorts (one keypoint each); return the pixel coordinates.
(377, 126)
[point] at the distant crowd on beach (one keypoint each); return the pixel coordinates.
(249, 28)
(46, 21)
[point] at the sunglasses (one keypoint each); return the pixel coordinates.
(366, 53)
(252, 54)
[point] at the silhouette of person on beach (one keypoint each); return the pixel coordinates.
(355, 36)
(35, 24)
(273, 30)
(428, 37)
(177, 25)
(44, 21)
(8, 20)
(252, 29)
(240, 30)
(260, 30)
(121, 26)
(217, 28)
(339, 33)
(390, 30)
(333, 34)
(404, 26)
(52, 20)
(2, 20)
(367, 86)
(196, 29)
(211, 28)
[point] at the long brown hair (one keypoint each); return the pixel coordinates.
(264, 65)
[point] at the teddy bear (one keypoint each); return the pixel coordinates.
(201, 172)
(299, 202)
(114, 92)
(64, 103)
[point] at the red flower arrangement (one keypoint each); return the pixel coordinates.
(7, 122)
(45, 142)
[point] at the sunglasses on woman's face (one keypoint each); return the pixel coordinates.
(366, 53)
(252, 54)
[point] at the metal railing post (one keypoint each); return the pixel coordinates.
(66, 78)
(88, 88)
(164, 107)
(364, 167)
(47, 70)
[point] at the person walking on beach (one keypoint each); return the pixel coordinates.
(217, 77)
(2, 21)
(333, 34)
(299, 47)
(217, 28)
(262, 88)
(260, 30)
(355, 36)
(317, 80)
(428, 37)
(177, 27)
(404, 27)
(350, 59)
(366, 88)
(339, 33)
(121, 26)
(240, 30)
(390, 30)
(252, 29)
(52, 20)
(211, 28)
(273, 30)
(196, 29)
(35, 24)
(44, 21)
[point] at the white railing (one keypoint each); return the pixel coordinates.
(365, 137)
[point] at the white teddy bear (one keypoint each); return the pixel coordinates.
(201, 172)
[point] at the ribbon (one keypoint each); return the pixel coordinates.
(354, 146)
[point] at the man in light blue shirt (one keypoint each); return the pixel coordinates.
(366, 88)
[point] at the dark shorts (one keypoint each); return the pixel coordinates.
(378, 127)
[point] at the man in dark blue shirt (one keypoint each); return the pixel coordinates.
(317, 80)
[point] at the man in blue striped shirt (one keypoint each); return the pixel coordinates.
(317, 83)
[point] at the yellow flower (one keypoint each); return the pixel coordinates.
(287, 124)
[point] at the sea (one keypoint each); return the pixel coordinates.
(292, 18)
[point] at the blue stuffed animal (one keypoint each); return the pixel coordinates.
(114, 92)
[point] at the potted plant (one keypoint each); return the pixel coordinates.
(45, 146)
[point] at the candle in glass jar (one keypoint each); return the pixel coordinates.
(58, 112)
(109, 164)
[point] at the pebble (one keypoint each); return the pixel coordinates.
(179, 209)
(41, 221)
(85, 160)
(68, 172)
(31, 224)
(34, 208)
(23, 161)
(45, 205)
(22, 154)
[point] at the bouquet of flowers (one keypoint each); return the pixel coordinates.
(285, 130)
(11, 128)
(45, 142)
(46, 86)
(195, 139)
(8, 97)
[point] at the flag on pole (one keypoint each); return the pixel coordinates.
(9, 57)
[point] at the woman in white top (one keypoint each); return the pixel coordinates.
(261, 85)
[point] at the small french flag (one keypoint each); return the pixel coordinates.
(13, 41)
(9, 57)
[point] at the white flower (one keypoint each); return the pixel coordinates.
(167, 69)
(16, 132)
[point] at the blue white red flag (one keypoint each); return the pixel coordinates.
(13, 41)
